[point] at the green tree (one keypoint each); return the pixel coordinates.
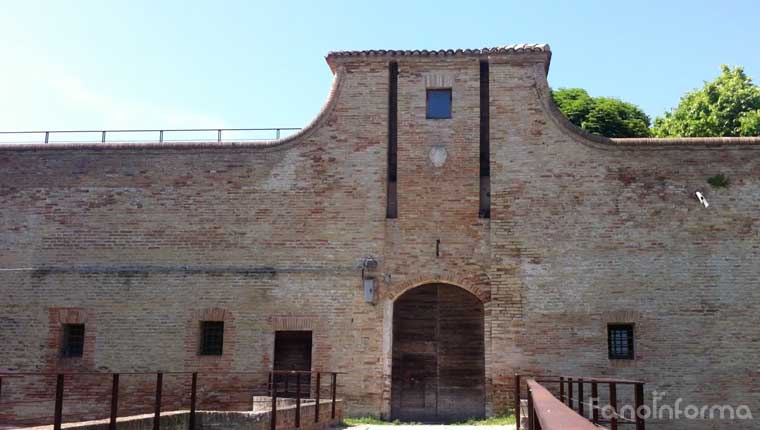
(749, 123)
(575, 103)
(602, 115)
(727, 106)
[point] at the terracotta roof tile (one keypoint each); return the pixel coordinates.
(508, 49)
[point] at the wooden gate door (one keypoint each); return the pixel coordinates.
(419, 387)
(438, 371)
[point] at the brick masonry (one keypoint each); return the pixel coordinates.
(143, 241)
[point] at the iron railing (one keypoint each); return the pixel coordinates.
(569, 385)
(158, 135)
(278, 378)
(274, 388)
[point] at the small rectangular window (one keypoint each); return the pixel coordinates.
(73, 340)
(439, 103)
(212, 337)
(620, 341)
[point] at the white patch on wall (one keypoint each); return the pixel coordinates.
(282, 177)
(438, 80)
(438, 155)
(532, 271)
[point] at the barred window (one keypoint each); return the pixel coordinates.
(212, 337)
(73, 340)
(620, 341)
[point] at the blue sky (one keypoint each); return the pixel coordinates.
(173, 64)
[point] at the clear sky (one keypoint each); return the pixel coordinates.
(175, 64)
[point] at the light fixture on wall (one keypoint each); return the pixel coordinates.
(702, 199)
(369, 264)
(369, 290)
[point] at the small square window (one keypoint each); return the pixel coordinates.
(212, 337)
(620, 341)
(73, 340)
(439, 103)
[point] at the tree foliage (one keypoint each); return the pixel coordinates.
(727, 106)
(602, 115)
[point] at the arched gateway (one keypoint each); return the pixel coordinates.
(438, 369)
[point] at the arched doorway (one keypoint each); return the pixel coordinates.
(438, 369)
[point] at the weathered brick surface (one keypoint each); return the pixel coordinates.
(144, 241)
(584, 235)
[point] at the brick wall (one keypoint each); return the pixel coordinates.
(144, 240)
(586, 234)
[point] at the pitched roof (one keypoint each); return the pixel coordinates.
(507, 49)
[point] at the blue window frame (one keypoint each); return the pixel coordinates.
(439, 103)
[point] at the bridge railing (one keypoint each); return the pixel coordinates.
(571, 411)
(147, 135)
(305, 389)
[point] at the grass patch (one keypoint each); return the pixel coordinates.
(348, 422)
(490, 421)
(719, 181)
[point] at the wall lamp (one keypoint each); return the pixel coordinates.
(369, 264)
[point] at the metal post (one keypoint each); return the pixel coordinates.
(1, 387)
(570, 392)
(58, 412)
(157, 413)
(316, 405)
(517, 401)
(613, 406)
(334, 383)
(193, 391)
(561, 388)
(47, 136)
(581, 407)
(531, 413)
(219, 136)
(161, 136)
(273, 415)
(595, 403)
(103, 137)
(639, 403)
(271, 383)
(278, 133)
(298, 400)
(114, 401)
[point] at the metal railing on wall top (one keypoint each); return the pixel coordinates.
(150, 135)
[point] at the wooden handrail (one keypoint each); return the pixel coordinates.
(566, 395)
(549, 413)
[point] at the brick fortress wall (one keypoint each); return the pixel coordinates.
(142, 242)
